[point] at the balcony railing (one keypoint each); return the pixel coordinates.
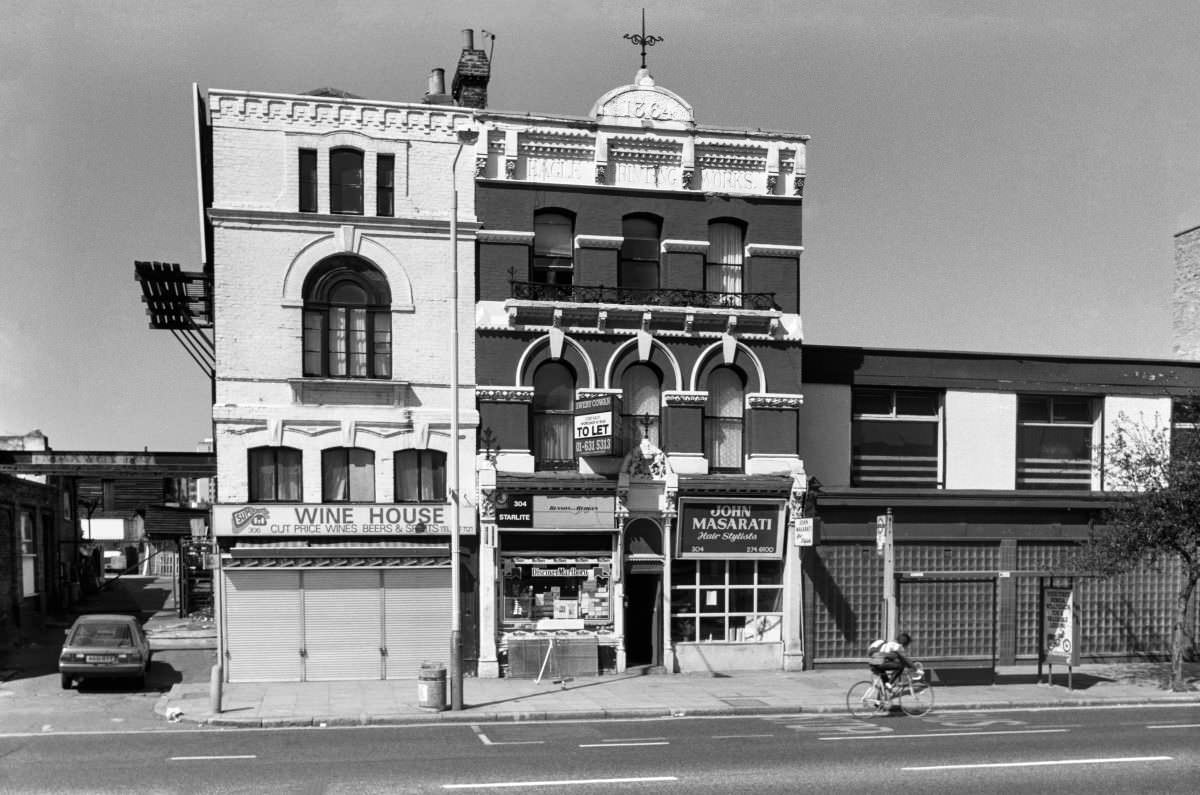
(599, 294)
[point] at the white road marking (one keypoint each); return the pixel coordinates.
(1176, 726)
(632, 739)
(940, 734)
(1047, 763)
(560, 782)
(611, 744)
(206, 758)
(483, 738)
(739, 736)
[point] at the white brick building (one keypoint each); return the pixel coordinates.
(328, 221)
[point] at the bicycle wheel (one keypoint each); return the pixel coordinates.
(916, 698)
(862, 699)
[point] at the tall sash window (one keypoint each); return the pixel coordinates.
(724, 420)
(723, 269)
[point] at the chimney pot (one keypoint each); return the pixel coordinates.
(437, 82)
(468, 38)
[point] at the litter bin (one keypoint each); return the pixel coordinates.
(431, 687)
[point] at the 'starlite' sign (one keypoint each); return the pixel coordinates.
(304, 519)
(715, 528)
(595, 425)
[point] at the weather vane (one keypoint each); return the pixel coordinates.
(642, 40)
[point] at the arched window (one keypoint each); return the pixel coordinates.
(723, 269)
(346, 181)
(420, 476)
(641, 399)
(347, 475)
(553, 248)
(639, 254)
(275, 474)
(723, 420)
(347, 321)
(553, 416)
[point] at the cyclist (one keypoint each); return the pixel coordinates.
(894, 661)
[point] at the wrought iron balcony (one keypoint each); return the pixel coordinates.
(636, 296)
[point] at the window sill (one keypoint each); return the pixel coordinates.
(347, 391)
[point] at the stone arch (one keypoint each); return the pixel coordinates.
(347, 240)
(729, 352)
(549, 347)
(652, 352)
(643, 537)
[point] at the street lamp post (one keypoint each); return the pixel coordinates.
(456, 673)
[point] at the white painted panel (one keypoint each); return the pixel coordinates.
(981, 440)
(1142, 416)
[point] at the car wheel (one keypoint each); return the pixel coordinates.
(66, 681)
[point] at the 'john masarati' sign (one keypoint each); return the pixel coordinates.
(715, 528)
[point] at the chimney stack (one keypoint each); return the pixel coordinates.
(435, 94)
(469, 87)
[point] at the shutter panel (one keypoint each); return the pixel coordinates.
(416, 620)
(262, 626)
(341, 625)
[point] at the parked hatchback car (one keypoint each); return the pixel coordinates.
(105, 646)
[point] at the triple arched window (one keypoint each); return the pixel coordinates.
(347, 320)
(553, 416)
(641, 402)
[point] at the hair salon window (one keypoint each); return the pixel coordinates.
(726, 601)
(553, 416)
(347, 320)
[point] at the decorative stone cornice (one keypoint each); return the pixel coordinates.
(504, 394)
(685, 246)
(598, 241)
(769, 250)
(671, 398)
(300, 113)
(771, 400)
(504, 236)
(588, 394)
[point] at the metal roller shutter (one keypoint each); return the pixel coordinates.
(342, 625)
(262, 626)
(416, 620)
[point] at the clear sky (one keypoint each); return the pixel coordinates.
(986, 176)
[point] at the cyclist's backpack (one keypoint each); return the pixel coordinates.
(875, 654)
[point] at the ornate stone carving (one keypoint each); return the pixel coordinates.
(684, 398)
(772, 183)
(510, 168)
(504, 394)
(798, 185)
(768, 400)
(481, 163)
(689, 174)
(601, 173)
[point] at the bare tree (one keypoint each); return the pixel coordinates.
(1154, 477)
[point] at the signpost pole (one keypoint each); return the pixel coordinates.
(883, 530)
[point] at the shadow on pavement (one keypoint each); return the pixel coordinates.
(969, 677)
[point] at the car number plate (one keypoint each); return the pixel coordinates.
(100, 658)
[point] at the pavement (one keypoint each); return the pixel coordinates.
(638, 693)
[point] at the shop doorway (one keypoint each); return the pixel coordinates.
(643, 618)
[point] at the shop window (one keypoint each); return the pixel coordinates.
(385, 185)
(726, 601)
(557, 587)
(553, 248)
(346, 181)
(420, 476)
(1054, 442)
(347, 320)
(723, 268)
(641, 405)
(276, 474)
(553, 416)
(724, 420)
(638, 270)
(347, 475)
(308, 180)
(894, 438)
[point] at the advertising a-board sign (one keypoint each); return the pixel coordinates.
(595, 425)
(1061, 622)
(718, 528)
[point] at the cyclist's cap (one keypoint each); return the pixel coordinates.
(903, 639)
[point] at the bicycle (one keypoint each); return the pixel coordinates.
(912, 691)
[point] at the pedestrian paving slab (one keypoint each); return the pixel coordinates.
(648, 695)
